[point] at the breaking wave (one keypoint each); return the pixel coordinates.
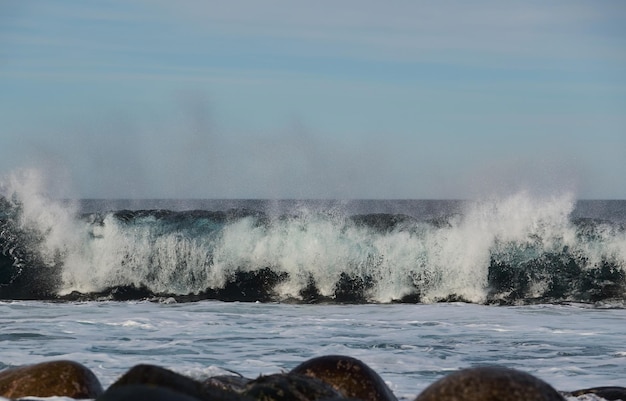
(516, 249)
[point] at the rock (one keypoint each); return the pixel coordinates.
(48, 379)
(135, 392)
(157, 377)
(289, 387)
(608, 393)
(351, 377)
(236, 384)
(489, 384)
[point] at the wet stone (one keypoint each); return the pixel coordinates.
(136, 392)
(489, 384)
(48, 379)
(157, 377)
(236, 384)
(350, 376)
(289, 387)
(610, 393)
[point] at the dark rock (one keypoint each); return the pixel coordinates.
(158, 377)
(351, 377)
(608, 393)
(136, 392)
(489, 384)
(236, 384)
(48, 379)
(289, 387)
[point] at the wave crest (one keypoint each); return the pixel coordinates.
(510, 250)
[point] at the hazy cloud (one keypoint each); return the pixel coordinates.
(418, 30)
(357, 98)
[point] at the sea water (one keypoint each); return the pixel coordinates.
(410, 346)
(416, 289)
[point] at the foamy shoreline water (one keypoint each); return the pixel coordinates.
(410, 346)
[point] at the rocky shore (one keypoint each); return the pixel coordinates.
(326, 378)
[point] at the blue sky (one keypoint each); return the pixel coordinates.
(315, 99)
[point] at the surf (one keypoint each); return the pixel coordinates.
(509, 250)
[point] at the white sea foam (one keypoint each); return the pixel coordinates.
(451, 258)
(54, 222)
(410, 346)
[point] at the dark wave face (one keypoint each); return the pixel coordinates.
(510, 251)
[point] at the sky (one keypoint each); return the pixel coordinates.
(315, 99)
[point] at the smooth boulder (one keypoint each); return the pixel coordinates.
(144, 375)
(289, 387)
(47, 379)
(350, 376)
(489, 384)
(136, 392)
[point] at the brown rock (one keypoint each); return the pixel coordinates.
(351, 377)
(489, 384)
(48, 379)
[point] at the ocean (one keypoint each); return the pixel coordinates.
(409, 345)
(414, 288)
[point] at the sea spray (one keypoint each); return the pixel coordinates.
(519, 227)
(514, 249)
(38, 233)
(429, 261)
(54, 223)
